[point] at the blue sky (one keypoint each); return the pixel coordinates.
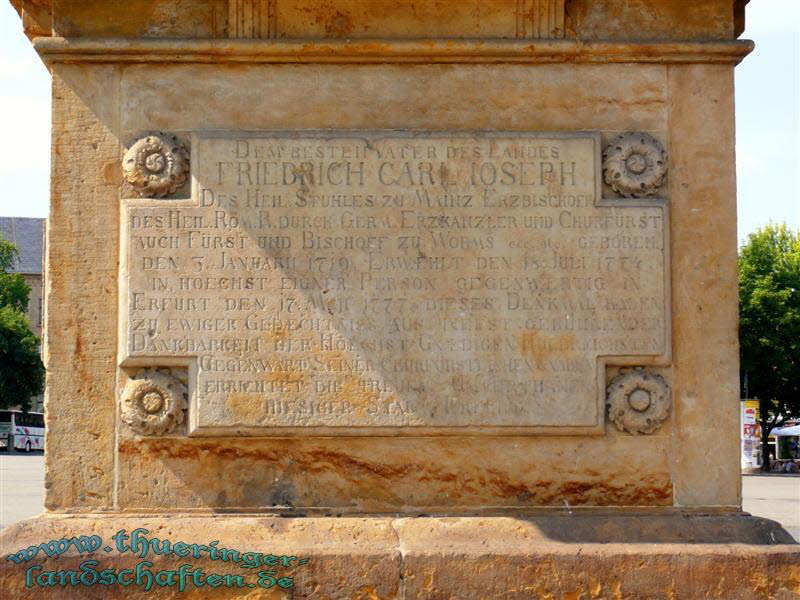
(767, 119)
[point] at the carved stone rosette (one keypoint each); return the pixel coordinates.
(153, 402)
(635, 165)
(638, 401)
(156, 165)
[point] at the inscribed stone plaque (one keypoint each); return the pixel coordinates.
(351, 281)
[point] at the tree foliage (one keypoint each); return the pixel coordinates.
(769, 324)
(13, 289)
(21, 369)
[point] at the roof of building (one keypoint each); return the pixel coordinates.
(28, 236)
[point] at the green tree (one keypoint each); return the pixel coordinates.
(13, 289)
(21, 369)
(769, 325)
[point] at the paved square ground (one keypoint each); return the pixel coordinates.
(21, 486)
(775, 497)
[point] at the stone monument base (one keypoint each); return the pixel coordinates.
(579, 556)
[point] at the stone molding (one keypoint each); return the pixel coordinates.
(635, 165)
(250, 19)
(257, 19)
(540, 19)
(638, 400)
(485, 51)
(156, 165)
(153, 402)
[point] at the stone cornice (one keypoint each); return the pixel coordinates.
(124, 50)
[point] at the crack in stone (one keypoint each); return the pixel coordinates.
(402, 567)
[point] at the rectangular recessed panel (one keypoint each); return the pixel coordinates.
(351, 282)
